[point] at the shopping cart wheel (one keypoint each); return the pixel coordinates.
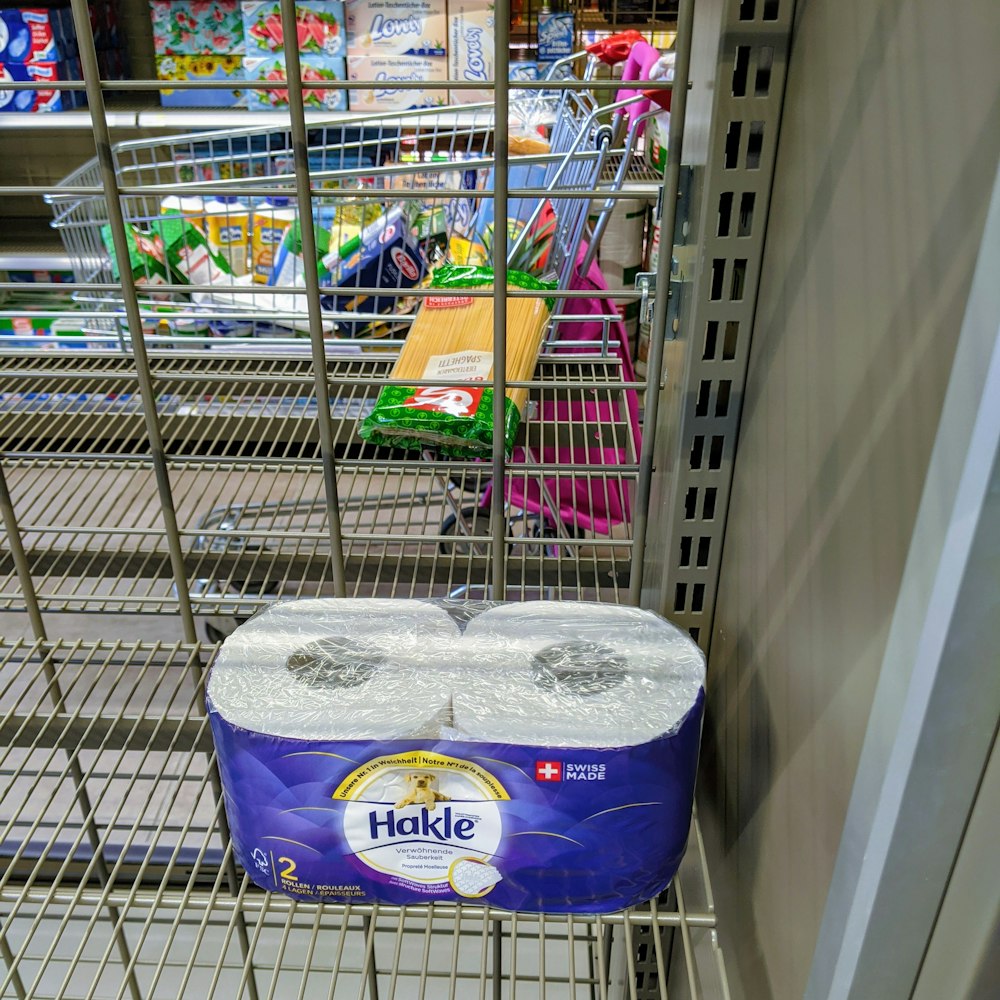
(478, 521)
(545, 529)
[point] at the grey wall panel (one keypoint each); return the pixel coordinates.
(964, 954)
(889, 143)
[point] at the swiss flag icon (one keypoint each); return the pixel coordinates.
(548, 770)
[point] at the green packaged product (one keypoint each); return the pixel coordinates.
(289, 266)
(452, 338)
(146, 254)
(191, 258)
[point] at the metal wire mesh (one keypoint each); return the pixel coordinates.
(244, 465)
(130, 718)
(140, 478)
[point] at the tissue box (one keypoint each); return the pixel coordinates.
(313, 68)
(537, 757)
(30, 34)
(29, 101)
(396, 27)
(190, 27)
(555, 35)
(383, 71)
(470, 47)
(224, 68)
(319, 25)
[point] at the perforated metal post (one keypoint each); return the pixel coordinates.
(671, 184)
(741, 92)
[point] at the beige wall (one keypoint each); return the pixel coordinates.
(889, 144)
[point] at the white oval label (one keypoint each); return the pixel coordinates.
(420, 816)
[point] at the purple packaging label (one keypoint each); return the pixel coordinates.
(413, 821)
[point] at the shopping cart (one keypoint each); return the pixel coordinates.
(436, 164)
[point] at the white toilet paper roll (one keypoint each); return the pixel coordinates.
(575, 676)
(337, 669)
(545, 621)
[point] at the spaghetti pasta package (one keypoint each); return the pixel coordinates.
(452, 337)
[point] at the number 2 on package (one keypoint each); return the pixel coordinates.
(288, 872)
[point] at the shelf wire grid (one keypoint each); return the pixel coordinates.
(166, 482)
(245, 470)
(131, 718)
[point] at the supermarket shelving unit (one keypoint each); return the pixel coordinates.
(121, 884)
(120, 879)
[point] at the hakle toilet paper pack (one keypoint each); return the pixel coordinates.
(537, 756)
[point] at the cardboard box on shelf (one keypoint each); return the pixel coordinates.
(31, 101)
(385, 71)
(190, 27)
(396, 27)
(319, 25)
(470, 47)
(313, 68)
(226, 69)
(105, 25)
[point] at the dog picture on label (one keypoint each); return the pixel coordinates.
(421, 790)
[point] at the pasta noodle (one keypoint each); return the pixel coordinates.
(442, 329)
(452, 338)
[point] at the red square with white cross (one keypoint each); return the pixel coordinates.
(548, 770)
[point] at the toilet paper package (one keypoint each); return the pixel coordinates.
(537, 756)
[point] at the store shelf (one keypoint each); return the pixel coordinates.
(245, 470)
(147, 113)
(34, 257)
(64, 120)
(255, 407)
(116, 865)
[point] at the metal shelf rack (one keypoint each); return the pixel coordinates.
(119, 880)
(245, 468)
(197, 484)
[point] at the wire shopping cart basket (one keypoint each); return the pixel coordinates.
(420, 181)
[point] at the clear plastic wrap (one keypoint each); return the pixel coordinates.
(413, 750)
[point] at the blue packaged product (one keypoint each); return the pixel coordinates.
(555, 35)
(41, 99)
(385, 255)
(226, 69)
(314, 68)
(538, 756)
(319, 27)
(522, 71)
(36, 34)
